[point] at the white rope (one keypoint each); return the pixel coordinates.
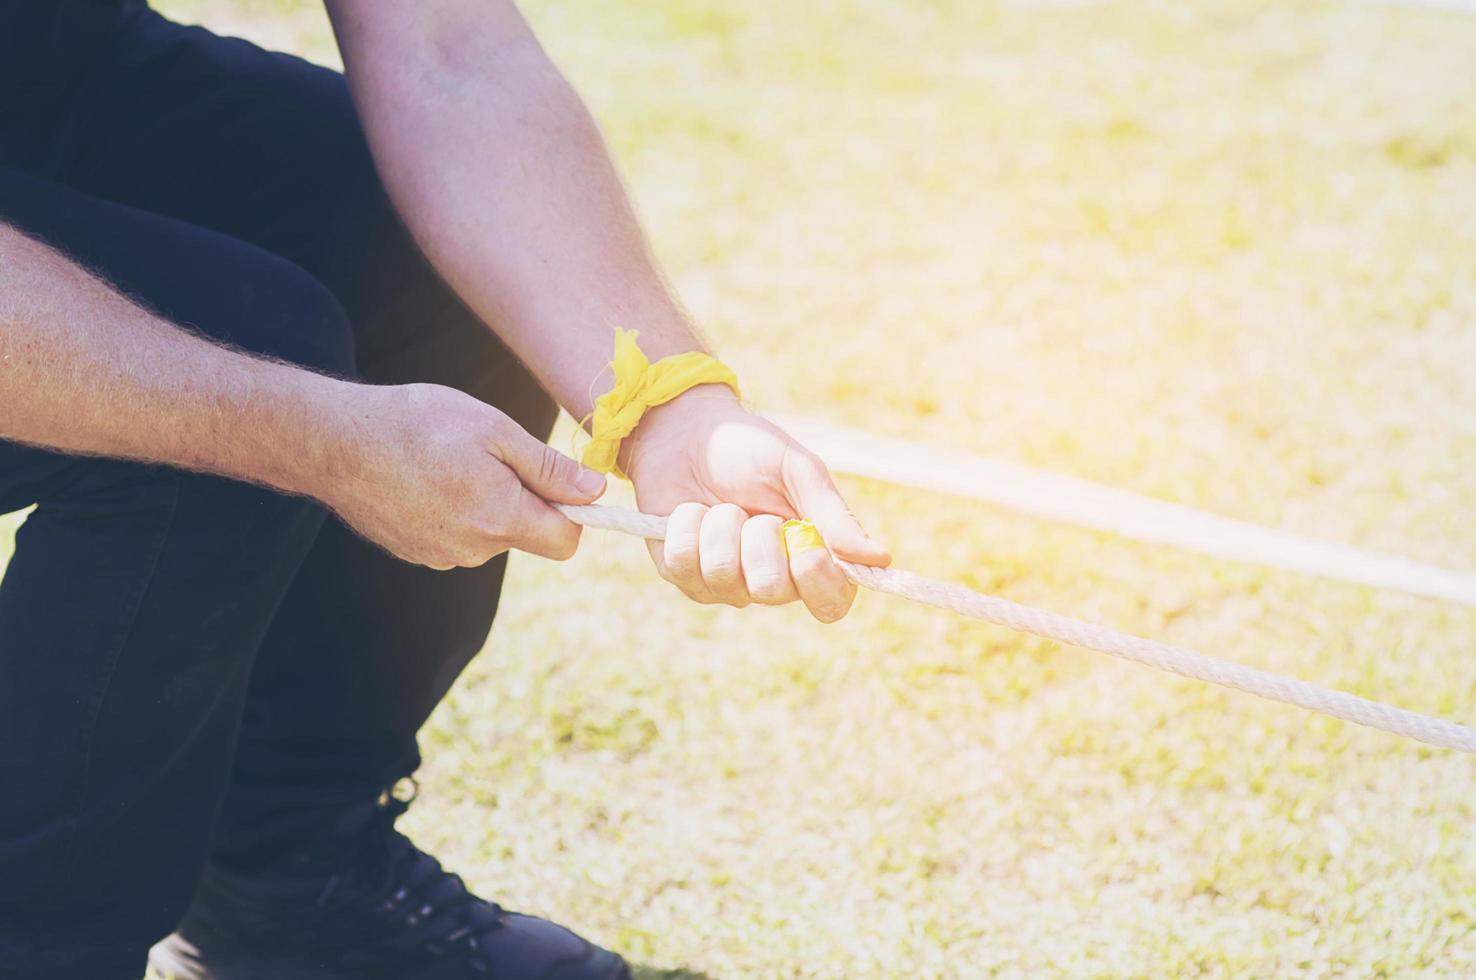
(1054, 497)
(1002, 612)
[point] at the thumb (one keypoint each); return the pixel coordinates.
(813, 494)
(544, 470)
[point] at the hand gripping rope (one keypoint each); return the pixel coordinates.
(1178, 660)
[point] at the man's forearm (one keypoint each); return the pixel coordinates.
(85, 370)
(504, 179)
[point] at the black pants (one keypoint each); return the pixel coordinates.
(190, 665)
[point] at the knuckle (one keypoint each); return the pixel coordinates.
(800, 461)
(681, 563)
(493, 538)
(807, 460)
(722, 566)
(689, 582)
(493, 432)
(808, 583)
(415, 394)
(727, 513)
(680, 549)
(552, 467)
(767, 587)
(688, 511)
(731, 591)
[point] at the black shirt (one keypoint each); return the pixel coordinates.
(45, 48)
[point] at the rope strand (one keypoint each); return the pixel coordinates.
(1064, 629)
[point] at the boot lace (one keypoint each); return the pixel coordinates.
(423, 904)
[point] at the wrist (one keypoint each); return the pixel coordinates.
(329, 425)
(661, 421)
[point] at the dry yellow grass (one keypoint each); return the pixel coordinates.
(1218, 252)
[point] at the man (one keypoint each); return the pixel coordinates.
(236, 293)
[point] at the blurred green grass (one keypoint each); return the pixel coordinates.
(1217, 252)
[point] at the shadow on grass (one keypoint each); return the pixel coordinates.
(640, 972)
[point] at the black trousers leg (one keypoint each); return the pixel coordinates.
(132, 611)
(268, 149)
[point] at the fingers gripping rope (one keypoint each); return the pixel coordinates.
(1178, 660)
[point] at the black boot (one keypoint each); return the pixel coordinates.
(366, 904)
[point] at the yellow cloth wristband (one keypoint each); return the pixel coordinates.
(640, 385)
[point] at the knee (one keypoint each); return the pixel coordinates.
(287, 314)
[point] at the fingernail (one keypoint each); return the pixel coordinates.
(589, 481)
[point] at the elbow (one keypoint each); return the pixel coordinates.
(517, 74)
(468, 61)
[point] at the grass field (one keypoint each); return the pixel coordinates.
(1223, 253)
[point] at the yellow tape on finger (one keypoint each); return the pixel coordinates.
(801, 536)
